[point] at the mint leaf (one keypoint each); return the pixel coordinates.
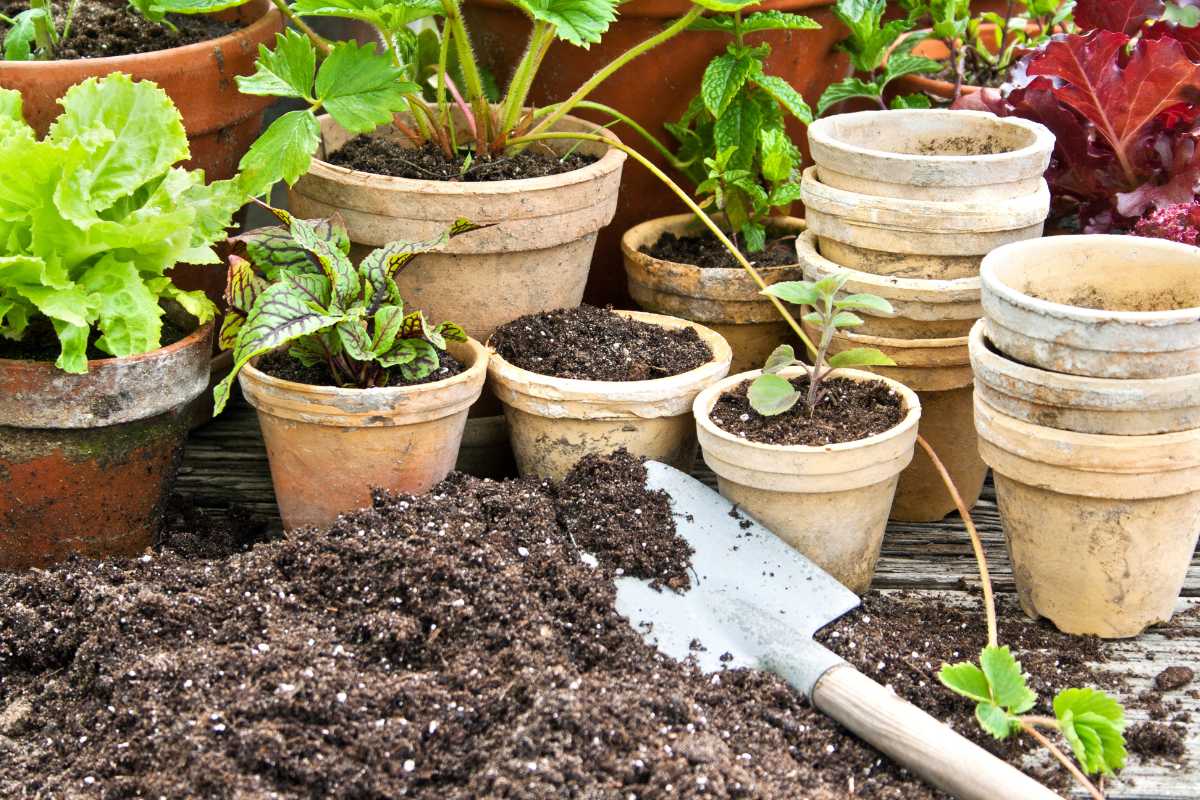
(783, 93)
(283, 152)
(738, 128)
(870, 39)
(757, 22)
(580, 22)
(1093, 724)
(911, 101)
(286, 71)
(771, 395)
(902, 63)
(776, 154)
(361, 89)
(723, 79)
(1006, 680)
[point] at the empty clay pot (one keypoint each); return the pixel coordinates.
(1100, 529)
(88, 460)
(329, 447)
(1099, 306)
(725, 300)
(831, 503)
(1081, 404)
(939, 371)
(554, 422)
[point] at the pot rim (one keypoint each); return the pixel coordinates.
(957, 290)
(671, 221)
(95, 364)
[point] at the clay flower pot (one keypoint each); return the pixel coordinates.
(939, 371)
(88, 460)
(831, 503)
(221, 123)
(554, 422)
(1081, 404)
(937, 50)
(329, 447)
(1100, 529)
(725, 300)
(1100, 306)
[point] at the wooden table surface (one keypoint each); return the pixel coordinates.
(225, 471)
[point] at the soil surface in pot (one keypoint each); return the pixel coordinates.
(40, 343)
(281, 365)
(381, 156)
(103, 28)
(848, 411)
(706, 252)
(596, 344)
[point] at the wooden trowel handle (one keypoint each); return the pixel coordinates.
(915, 740)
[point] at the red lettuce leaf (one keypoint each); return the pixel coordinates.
(1118, 16)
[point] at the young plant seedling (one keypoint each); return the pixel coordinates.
(771, 394)
(299, 288)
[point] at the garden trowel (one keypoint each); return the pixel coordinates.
(757, 599)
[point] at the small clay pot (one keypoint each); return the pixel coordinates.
(831, 503)
(554, 422)
(1100, 529)
(88, 460)
(329, 447)
(1098, 306)
(725, 300)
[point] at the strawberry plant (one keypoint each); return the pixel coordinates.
(299, 288)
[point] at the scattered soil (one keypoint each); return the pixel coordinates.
(104, 28)
(381, 156)
(1173, 678)
(596, 344)
(40, 343)
(1157, 741)
(849, 411)
(706, 252)
(279, 364)
(962, 146)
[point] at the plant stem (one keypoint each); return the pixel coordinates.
(522, 79)
(637, 128)
(958, 67)
(66, 31)
(471, 76)
(691, 204)
(43, 29)
(442, 77)
(320, 42)
(1062, 758)
(989, 601)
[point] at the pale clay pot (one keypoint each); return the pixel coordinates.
(1148, 292)
(725, 300)
(554, 422)
(328, 447)
(1100, 529)
(831, 503)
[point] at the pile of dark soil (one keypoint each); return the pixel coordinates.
(279, 364)
(597, 344)
(706, 252)
(849, 411)
(381, 156)
(103, 28)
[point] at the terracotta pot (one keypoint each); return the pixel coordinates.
(1100, 529)
(725, 300)
(1077, 403)
(924, 309)
(917, 238)
(87, 461)
(221, 123)
(554, 422)
(937, 50)
(831, 503)
(939, 371)
(1099, 306)
(329, 447)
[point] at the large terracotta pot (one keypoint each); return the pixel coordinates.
(221, 123)
(87, 461)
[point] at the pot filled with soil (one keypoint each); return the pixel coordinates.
(675, 267)
(589, 380)
(977, 74)
(1099, 306)
(330, 446)
(824, 483)
(195, 64)
(88, 459)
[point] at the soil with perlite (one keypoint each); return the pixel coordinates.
(707, 252)
(382, 156)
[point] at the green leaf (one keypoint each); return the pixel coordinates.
(1185, 16)
(757, 22)
(783, 93)
(847, 89)
(901, 63)
(335, 264)
(902, 101)
(231, 326)
(155, 10)
(452, 332)
(775, 154)
(870, 38)
(18, 42)
(782, 356)
(1093, 724)
(580, 22)
(994, 720)
(754, 236)
(379, 267)
(355, 339)
(801, 293)
(830, 285)
(283, 152)
(860, 357)
(388, 321)
(362, 89)
(309, 350)
(784, 194)
(771, 395)
(723, 79)
(738, 127)
(389, 15)
(726, 5)
(129, 315)
(966, 679)
(846, 319)
(864, 302)
(286, 71)
(1003, 671)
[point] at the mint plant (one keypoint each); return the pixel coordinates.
(771, 394)
(299, 288)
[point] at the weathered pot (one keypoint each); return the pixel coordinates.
(1100, 529)
(917, 238)
(554, 422)
(1099, 306)
(831, 503)
(923, 309)
(221, 123)
(1081, 404)
(87, 461)
(329, 447)
(725, 300)
(939, 371)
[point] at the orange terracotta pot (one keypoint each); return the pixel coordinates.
(937, 50)
(87, 461)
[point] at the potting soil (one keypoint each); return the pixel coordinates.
(382, 156)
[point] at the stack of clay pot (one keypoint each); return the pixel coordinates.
(1087, 403)
(909, 203)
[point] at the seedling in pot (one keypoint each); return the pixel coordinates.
(771, 394)
(299, 288)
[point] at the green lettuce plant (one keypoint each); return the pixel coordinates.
(93, 215)
(299, 288)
